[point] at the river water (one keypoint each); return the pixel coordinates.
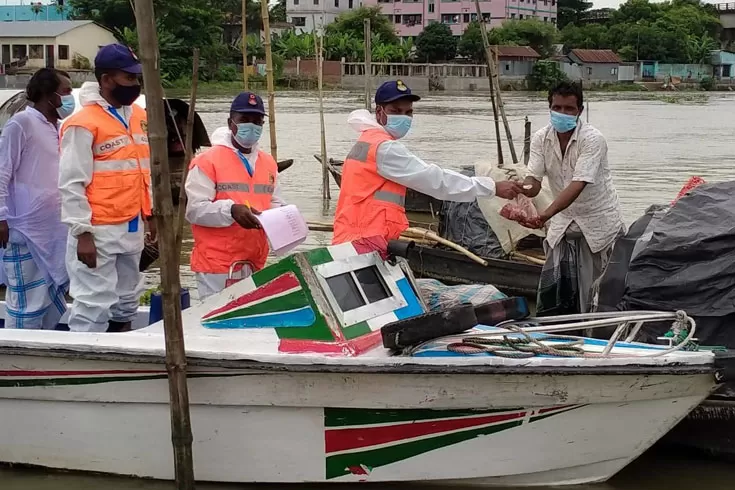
(656, 142)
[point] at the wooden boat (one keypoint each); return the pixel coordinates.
(288, 382)
(514, 277)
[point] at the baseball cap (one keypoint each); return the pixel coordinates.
(248, 103)
(118, 57)
(394, 90)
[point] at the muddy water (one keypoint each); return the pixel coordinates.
(655, 144)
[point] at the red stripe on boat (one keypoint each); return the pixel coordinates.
(347, 348)
(552, 409)
(347, 439)
(278, 285)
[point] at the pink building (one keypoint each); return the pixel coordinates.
(411, 16)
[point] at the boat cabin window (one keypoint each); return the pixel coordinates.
(360, 287)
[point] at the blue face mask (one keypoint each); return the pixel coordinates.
(67, 106)
(563, 123)
(398, 126)
(248, 134)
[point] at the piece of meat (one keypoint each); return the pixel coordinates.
(691, 184)
(519, 209)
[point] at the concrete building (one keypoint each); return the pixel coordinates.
(411, 16)
(596, 65)
(516, 61)
(727, 19)
(306, 14)
(51, 43)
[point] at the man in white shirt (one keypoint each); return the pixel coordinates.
(585, 217)
(31, 232)
(380, 168)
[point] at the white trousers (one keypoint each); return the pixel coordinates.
(110, 291)
(211, 284)
(31, 301)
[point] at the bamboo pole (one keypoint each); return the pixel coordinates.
(368, 61)
(269, 78)
(244, 44)
(318, 50)
(490, 72)
(188, 155)
(526, 141)
(164, 213)
(501, 107)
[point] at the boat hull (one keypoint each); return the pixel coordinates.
(254, 425)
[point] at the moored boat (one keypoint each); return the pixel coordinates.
(289, 382)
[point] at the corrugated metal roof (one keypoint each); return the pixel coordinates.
(39, 28)
(517, 52)
(596, 56)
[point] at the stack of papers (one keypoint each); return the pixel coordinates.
(285, 228)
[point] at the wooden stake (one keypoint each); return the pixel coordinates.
(244, 44)
(269, 78)
(501, 107)
(164, 214)
(490, 71)
(318, 50)
(526, 141)
(368, 67)
(188, 155)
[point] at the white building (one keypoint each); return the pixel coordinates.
(306, 14)
(51, 44)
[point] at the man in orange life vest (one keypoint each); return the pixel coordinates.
(379, 168)
(104, 179)
(227, 187)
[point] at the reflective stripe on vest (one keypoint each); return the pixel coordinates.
(215, 249)
(391, 197)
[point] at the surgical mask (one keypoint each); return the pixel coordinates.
(563, 123)
(398, 125)
(248, 134)
(126, 94)
(67, 106)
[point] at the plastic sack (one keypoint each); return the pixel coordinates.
(438, 295)
(508, 232)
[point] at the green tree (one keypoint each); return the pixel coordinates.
(470, 44)
(343, 45)
(352, 23)
(545, 75)
(541, 36)
(436, 43)
(291, 45)
(278, 12)
(571, 12)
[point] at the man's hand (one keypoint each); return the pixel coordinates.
(86, 250)
(4, 234)
(245, 216)
(508, 189)
(537, 222)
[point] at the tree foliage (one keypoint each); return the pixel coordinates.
(436, 43)
(352, 23)
(545, 75)
(470, 44)
(571, 12)
(676, 31)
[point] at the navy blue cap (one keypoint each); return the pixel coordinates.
(117, 57)
(248, 103)
(394, 90)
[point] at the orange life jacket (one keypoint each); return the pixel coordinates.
(120, 187)
(215, 249)
(369, 205)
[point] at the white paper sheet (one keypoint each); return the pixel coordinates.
(285, 228)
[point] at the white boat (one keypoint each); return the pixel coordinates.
(289, 382)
